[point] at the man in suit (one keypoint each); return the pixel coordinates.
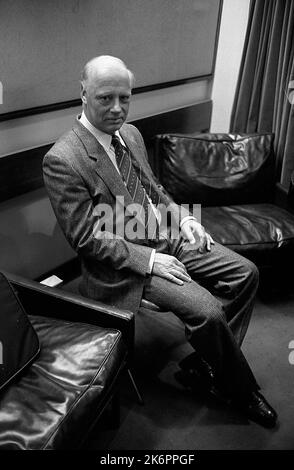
(96, 175)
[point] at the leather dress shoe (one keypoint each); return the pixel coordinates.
(256, 408)
(198, 375)
(197, 365)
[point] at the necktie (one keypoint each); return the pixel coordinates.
(133, 176)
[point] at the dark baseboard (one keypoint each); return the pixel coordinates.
(195, 118)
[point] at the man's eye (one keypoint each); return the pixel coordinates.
(105, 99)
(125, 99)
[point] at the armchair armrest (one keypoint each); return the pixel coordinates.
(38, 299)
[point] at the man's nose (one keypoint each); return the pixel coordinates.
(116, 107)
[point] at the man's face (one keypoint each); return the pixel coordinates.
(106, 100)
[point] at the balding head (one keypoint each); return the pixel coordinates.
(102, 65)
(106, 88)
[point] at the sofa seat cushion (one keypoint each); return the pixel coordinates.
(54, 403)
(250, 229)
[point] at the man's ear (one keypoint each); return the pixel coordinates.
(83, 94)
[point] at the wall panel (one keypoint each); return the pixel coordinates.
(45, 43)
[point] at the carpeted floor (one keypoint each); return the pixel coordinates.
(173, 418)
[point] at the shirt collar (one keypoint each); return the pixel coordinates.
(103, 138)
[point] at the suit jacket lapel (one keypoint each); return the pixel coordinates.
(104, 167)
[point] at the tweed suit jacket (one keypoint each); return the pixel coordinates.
(79, 177)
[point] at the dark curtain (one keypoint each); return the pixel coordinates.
(264, 99)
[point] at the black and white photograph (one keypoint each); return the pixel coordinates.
(147, 230)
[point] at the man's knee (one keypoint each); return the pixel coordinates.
(210, 310)
(245, 270)
(251, 272)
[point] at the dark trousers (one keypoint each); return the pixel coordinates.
(215, 307)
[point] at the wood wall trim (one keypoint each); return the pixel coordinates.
(21, 113)
(22, 172)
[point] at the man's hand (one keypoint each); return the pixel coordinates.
(170, 268)
(195, 232)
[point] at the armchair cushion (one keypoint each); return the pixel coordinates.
(227, 168)
(63, 391)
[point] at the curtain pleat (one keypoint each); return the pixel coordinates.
(262, 100)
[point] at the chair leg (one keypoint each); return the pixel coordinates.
(140, 399)
(115, 410)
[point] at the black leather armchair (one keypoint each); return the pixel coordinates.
(85, 347)
(232, 176)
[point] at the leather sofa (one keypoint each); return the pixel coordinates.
(85, 348)
(232, 176)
